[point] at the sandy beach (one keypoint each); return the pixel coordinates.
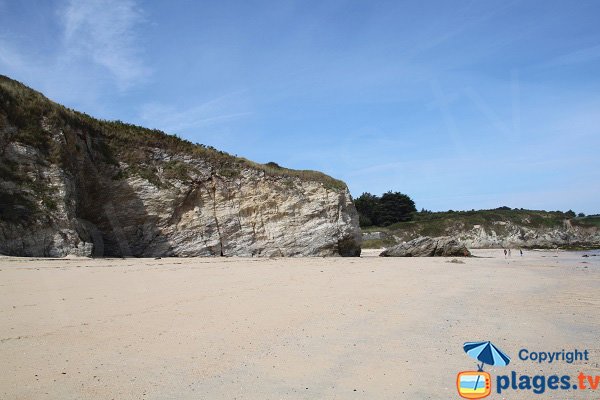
(298, 328)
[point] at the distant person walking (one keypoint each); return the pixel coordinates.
(509, 255)
(505, 252)
(521, 251)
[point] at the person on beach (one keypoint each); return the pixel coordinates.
(505, 253)
(521, 251)
(509, 255)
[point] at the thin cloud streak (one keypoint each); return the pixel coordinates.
(579, 56)
(10, 58)
(173, 120)
(98, 50)
(105, 32)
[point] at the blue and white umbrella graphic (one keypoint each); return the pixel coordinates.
(487, 353)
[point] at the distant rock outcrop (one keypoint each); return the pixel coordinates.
(428, 247)
(508, 234)
(71, 184)
(501, 228)
(374, 235)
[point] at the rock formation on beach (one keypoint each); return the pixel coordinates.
(496, 228)
(428, 247)
(507, 234)
(71, 184)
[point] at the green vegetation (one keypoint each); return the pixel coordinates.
(377, 243)
(590, 220)
(427, 223)
(532, 218)
(25, 109)
(303, 174)
(176, 169)
(390, 208)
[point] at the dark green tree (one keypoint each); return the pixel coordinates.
(394, 207)
(273, 164)
(365, 205)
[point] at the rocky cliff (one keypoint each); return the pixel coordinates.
(507, 234)
(424, 246)
(71, 184)
(494, 229)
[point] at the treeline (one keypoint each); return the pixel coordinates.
(390, 208)
(393, 207)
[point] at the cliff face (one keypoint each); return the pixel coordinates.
(507, 234)
(502, 234)
(70, 184)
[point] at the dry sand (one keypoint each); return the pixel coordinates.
(306, 328)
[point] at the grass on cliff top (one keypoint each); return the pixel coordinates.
(592, 220)
(377, 243)
(443, 223)
(25, 108)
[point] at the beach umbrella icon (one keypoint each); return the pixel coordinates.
(487, 353)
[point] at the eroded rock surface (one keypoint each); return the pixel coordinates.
(428, 247)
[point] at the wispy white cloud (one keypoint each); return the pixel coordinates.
(9, 57)
(579, 56)
(105, 32)
(97, 48)
(175, 120)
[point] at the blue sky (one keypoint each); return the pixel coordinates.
(460, 104)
